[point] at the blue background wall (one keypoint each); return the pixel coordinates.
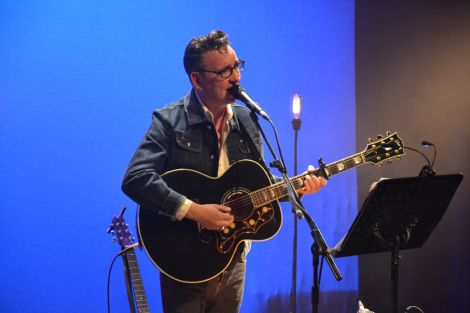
(78, 83)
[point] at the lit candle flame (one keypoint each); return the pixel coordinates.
(296, 105)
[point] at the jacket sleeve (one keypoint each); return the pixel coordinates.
(142, 181)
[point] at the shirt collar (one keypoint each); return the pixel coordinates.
(228, 113)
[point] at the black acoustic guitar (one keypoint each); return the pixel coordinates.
(135, 286)
(186, 252)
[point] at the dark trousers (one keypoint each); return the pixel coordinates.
(222, 294)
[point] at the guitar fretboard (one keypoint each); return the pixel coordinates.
(138, 286)
(276, 191)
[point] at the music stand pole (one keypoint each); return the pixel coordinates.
(395, 260)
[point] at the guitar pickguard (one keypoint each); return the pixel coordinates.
(244, 224)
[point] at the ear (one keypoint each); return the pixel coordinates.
(196, 80)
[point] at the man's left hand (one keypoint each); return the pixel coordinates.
(312, 183)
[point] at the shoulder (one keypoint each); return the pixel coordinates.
(173, 113)
(171, 109)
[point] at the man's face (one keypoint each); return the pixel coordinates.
(211, 87)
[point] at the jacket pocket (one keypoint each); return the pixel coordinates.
(187, 152)
(191, 143)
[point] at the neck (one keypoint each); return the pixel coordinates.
(216, 109)
(218, 112)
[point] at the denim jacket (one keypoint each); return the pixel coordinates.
(181, 136)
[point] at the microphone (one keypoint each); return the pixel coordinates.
(240, 93)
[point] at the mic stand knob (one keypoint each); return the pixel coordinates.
(426, 171)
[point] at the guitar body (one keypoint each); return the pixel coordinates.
(189, 253)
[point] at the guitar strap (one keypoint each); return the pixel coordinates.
(254, 151)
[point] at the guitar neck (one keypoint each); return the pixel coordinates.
(137, 285)
(276, 191)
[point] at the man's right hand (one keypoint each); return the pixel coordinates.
(210, 216)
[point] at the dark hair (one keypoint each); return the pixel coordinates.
(192, 60)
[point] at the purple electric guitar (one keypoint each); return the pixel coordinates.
(121, 233)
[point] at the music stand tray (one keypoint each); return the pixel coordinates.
(409, 208)
(398, 214)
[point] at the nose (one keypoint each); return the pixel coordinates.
(235, 77)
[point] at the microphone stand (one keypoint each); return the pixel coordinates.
(319, 241)
(296, 122)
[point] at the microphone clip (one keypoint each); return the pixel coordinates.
(427, 171)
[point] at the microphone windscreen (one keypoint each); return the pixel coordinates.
(235, 91)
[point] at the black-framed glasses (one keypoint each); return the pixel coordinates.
(228, 71)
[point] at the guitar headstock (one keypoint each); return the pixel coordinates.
(383, 148)
(120, 230)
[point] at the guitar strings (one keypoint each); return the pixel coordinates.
(257, 196)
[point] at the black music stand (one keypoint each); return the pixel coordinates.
(398, 214)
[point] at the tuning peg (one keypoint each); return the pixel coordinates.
(379, 136)
(380, 164)
(370, 140)
(388, 133)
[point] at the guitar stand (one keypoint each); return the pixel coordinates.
(398, 214)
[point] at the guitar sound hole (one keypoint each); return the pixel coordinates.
(240, 203)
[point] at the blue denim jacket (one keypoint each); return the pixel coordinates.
(181, 136)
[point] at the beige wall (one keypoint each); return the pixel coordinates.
(413, 76)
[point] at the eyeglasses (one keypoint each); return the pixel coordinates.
(228, 71)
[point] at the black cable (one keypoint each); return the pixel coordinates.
(424, 156)
(109, 273)
(427, 170)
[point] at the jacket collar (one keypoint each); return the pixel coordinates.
(193, 109)
(196, 115)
